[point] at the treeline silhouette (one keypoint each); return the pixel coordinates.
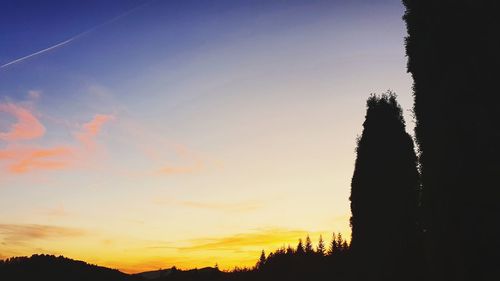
(430, 212)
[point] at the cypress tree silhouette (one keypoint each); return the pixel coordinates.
(453, 56)
(384, 196)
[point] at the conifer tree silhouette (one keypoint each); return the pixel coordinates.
(321, 246)
(308, 248)
(262, 260)
(300, 248)
(384, 195)
(333, 245)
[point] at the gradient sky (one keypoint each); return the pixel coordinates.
(187, 133)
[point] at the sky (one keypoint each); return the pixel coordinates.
(141, 134)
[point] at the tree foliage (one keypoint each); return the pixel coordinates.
(384, 194)
(453, 56)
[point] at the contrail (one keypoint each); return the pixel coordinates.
(74, 37)
(39, 52)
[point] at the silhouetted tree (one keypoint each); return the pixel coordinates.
(340, 242)
(300, 247)
(454, 58)
(308, 248)
(262, 260)
(333, 245)
(384, 195)
(321, 246)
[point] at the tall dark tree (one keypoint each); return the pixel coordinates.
(453, 50)
(384, 195)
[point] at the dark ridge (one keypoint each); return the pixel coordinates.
(52, 268)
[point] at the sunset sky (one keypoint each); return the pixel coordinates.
(145, 134)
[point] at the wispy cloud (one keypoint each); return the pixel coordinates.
(192, 162)
(56, 212)
(22, 233)
(24, 159)
(91, 129)
(34, 94)
(259, 239)
(224, 207)
(19, 157)
(239, 207)
(26, 127)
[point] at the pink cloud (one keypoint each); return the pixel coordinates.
(30, 158)
(26, 127)
(92, 128)
(19, 157)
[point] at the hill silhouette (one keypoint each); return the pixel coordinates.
(49, 267)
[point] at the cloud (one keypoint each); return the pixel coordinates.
(193, 162)
(92, 128)
(58, 211)
(173, 170)
(21, 233)
(242, 206)
(19, 157)
(225, 207)
(34, 94)
(27, 159)
(241, 242)
(26, 127)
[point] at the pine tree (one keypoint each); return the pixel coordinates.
(262, 260)
(308, 247)
(333, 245)
(321, 246)
(300, 248)
(340, 242)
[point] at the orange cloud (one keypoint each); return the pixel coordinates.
(264, 238)
(92, 128)
(24, 159)
(40, 159)
(21, 233)
(26, 126)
